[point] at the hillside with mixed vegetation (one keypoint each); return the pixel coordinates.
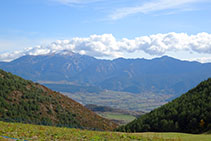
(27, 102)
(46, 133)
(190, 113)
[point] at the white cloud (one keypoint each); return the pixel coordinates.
(153, 6)
(11, 56)
(107, 45)
(202, 59)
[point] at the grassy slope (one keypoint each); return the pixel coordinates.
(28, 102)
(41, 133)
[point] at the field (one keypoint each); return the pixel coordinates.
(119, 118)
(43, 133)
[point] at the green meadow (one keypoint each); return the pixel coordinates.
(44, 133)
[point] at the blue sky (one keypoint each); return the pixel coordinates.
(29, 23)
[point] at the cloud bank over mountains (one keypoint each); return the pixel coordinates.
(107, 45)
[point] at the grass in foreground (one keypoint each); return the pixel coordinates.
(43, 133)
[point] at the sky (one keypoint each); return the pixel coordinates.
(107, 29)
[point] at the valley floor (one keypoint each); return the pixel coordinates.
(43, 133)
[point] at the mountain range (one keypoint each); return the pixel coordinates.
(71, 72)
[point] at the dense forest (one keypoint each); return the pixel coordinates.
(190, 113)
(27, 102)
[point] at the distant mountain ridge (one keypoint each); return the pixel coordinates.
(163, 75)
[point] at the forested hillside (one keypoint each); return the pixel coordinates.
(189, 113)
(28, 102)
